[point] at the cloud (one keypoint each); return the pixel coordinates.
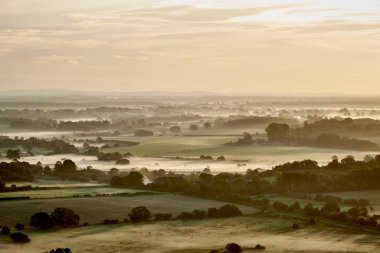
(71, 60)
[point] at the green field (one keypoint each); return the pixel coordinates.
(96, 209)
(194, 146)
(66, 192)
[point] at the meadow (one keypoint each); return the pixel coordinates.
(271, 230)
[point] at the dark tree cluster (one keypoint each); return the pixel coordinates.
(224, 211)
(143, 133)
(331, 210)
(83, 125)
(55, 146)
(60, 217)
(133, 179)
(115, 156)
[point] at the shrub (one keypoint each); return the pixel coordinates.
(221, 158)
(233, 248)
(122, 161)
(259, 247)
(20, 226)
(199, 214)
(185, 216)
(280, 206)
(213, 212)
(331, 207)
(59, 250)
(5, 230)
(163, 216)
(109, 222)
(20, 237)
(229, 211)
(139, 214)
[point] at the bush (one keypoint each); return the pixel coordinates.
(139, 214)
(280, 206)
(59, 250)
(213, 212)
(63, 217)
(259, 247)
(122, 161)
(331, 207)
(163, 216)
(233, 248)
(185, 216)
(20, 237)
(221, 158)
(5, 230)
(20, 226)
(109, 222)
(142, 133)
(229, 211)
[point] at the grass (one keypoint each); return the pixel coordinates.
(194, 146)
(95, 210)
(271, 230)
(372, 195)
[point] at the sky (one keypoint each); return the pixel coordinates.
(299, 46)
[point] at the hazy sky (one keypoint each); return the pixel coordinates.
(179, 45)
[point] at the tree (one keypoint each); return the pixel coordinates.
(193, 128)
(13, 154)
(41, 220)
(122, 161)
(63, 217)
(221, 158)
(139, 214)
(213, 212)
(207, 125)
(205, 178)
(143, 133)
(175, 129)
(277, 132)
(2, 186)
(331, 207)
(68, 166)
(20, 226)
(229, 211)
(233, 248)
(134, 178)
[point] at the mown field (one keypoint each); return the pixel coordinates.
(271, 230)
(96, 209)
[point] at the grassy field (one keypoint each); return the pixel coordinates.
(373, 196)
(194, 146)
(95, 210)
(66, 192)
(272, 231)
